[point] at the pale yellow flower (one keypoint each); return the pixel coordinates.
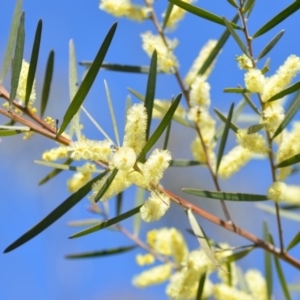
(244, 62)
(146, 259)
(292, 194)
(124, 158)
(277, 191)
(272, 115)
(222, 291)
(199, 93)
(55, 153)
(254, 81)
(256, 284)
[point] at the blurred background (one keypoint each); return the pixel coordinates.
(38, 269)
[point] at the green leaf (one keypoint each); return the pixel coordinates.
(83, 223)
(11, 39)
(278, 18)
(251, 104)
(33, 61)
(121, 68)
(293, 109)
(139, 201)
(202, 241)
(268, 263)
(87, 81)
(119, 203)
(266, 67)
(150, 92)
(283, 213)
(225, 196)
(233, 3)
(201, 286)
(291, 89)
(294, 242)
(107, 223)
(255, 128)
(47, 82)
(224, 119)
(249, 6)
(224, 137)
(161, 127)
(201, 13)
(236, 90)
(213, 54)
(12, 130)
(270, 45)
(238, 255)
(290, 161)
(112, 113)
(54, 215)
(167, 15)
(236, 37)
(101, 253)
(17, 61)
(106, 185)
(281, 275)
(55, 172)
(183, 163)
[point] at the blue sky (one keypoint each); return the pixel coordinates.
(38, 269)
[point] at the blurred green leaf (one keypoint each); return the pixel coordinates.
(150, 92)
(112, 113)
(55, 172)
(293, 109)
(291, 89)
(294, 242)
(290, 161)
(270, 45)
(204, 14)
(106, 185)
(255, 128)
(11, 39)
(201, 286)
(167, 15)
(119, 203)
(10, 132)
(238, 255)
(249, 6)
(283, 213)
(251, 104)
(47, 82)
(167, 136)
(224, 119)
(266, 67)
(101, 253)
(33, 61)
(17, 60)
(236, 90)
(83, 223)
(107, 223)
(54, 215)
(87, 81)
(183, 163)
(268, 263)
(235, 36)
(233, 3)
(224, 137)
(225, 196)
(213, 54)
(161, 127)
(278, 18)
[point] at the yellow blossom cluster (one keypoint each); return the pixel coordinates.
(125, 8)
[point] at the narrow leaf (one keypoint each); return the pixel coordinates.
(33, 61)
(106, 185)
(47, 82)
(202, 241)
(291, 89)
(213, 54)
(112, 113)
(83, 223)
(201, 286)
(11, 39)
(278, 18)
(201, 13)
(224, 119)
(251, 104)
(87, 81)
(283, 213)
(10, 132)
(161, 127)
(168, 132)
(107, 223)
(225, 196)
(293, 109)
(54, 172)
(248, 5)
(224, 137)
(54, 215)
(266, 67)
(238, 255)
(150, 92)
(233, 3)
(255, 128)
(270, 45)
(290, 161)
(235, 36)
(268, 263)
(167, 15)
(101, 253)
(183, 163)
(294, 242)
(17, 61)
(236, 90)
(119, 203)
